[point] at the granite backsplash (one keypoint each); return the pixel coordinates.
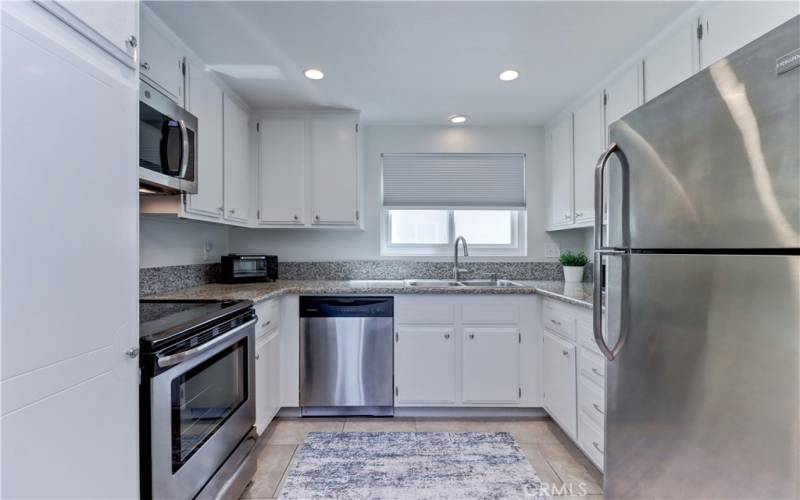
(166, 279)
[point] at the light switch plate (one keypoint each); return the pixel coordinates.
(551, 250)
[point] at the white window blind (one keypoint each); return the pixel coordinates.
(454, 180)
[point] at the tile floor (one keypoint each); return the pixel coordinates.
(551, 453)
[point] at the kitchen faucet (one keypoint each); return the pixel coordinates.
(456, 270)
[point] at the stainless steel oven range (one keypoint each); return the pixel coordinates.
(197, 398)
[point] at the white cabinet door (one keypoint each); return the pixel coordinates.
(624, 94)
(425, 366)
(560, 172)
(672, 61)
(111, 25)
(205, 102)
(161, 63)
(263, 385)
(69, 179)
(236, 161)
(728, 26)
(282, 169)
(490, 365)
(558, 381)
(590, 140)
(334, 172)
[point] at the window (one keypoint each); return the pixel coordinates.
(431, 199)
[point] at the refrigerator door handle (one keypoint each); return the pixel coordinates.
(597, 300)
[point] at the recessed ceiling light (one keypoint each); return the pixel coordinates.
(314, 74)
(509, 75)
(458, 118)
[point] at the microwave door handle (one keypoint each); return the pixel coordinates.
(184, 149)
(174, 359)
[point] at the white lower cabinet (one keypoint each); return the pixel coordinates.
(492, 358)
(268, 350)
(466, 351)
(425, 365)
(573, 376)
(558, 380)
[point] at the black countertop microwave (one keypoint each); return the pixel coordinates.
(238, 268)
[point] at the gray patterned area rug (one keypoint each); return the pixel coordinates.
(411, 465)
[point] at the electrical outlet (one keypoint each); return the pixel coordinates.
(208, 247)
(551, 250)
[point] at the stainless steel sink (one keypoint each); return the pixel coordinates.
(492, 283)
(433, 283)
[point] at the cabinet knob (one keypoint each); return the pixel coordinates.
(132, 41)
(316, 217)
(296, 217)
(266, 324)
(145, 66)
(232, 211)
(567, 215)
(258, 356)
(447, 335)
(597, 407)
(132, 353)
(579, 214)
(597, 446)
(471, 336)
(565, 353)
(597, 372)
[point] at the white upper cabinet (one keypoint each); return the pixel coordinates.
(205, 102)
(589, 139)
(309, 169)
(728, 26)
(111, 25)
(559, 166)
(282, 170)
(671, 61)
(334, 172)
(624, 94)
(161, 62)
(236, 162)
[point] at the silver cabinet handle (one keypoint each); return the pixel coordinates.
(132, 41)
(555, 322)
(565, 353)
(596, 407)
(132, 353)
(447, 335)
(600, 250)
(184, 150)
(471, 336)
(145, 66)
(598, 373)
(266, 324)
(578, 214)
(597, 446)
(258, 356)
(174, 359)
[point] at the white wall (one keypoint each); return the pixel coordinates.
(332, 244)
(165, 240)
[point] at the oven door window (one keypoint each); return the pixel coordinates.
(250, 268)
(204, 397)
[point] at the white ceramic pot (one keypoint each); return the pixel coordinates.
(573, 274)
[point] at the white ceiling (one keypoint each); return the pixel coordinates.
(417, 62)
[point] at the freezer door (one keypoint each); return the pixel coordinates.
(702, 398)
(715, 162)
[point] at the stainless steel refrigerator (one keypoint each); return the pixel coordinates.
(700, 280)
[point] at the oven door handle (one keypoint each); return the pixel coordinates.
(180, 357)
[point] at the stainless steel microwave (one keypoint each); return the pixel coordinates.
(167, 144)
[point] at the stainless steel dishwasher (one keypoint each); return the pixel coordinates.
(346, 356)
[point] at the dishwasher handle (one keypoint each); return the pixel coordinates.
(346, 307)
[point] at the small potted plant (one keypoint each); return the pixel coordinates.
(573, 264)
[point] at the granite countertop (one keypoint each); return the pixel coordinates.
(578, 293)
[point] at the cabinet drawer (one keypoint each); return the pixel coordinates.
(592, 366)
(591, 401)
(429, 312)
(269, 314)
(490, 314)
(591, 440)
(558, 320)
